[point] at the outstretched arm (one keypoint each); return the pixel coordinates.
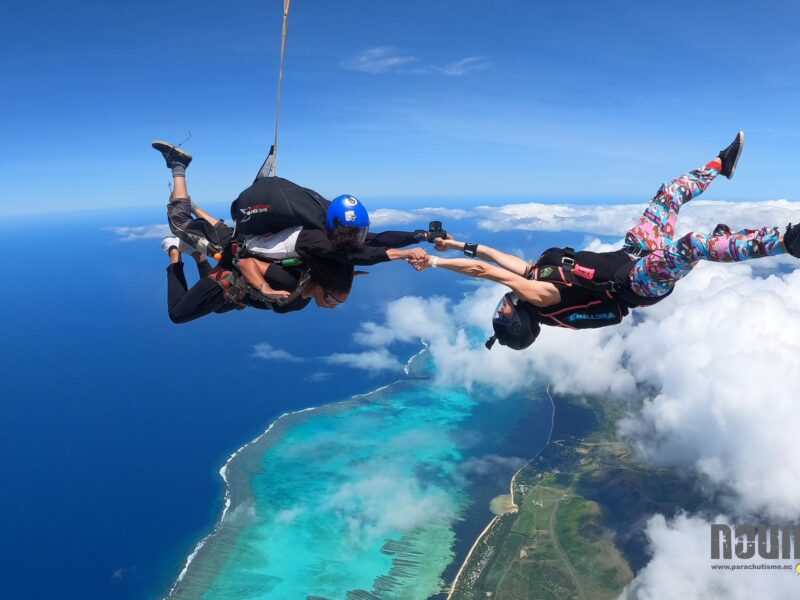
(312, 242)
(538, 293)
(394, 239)
(509, 262)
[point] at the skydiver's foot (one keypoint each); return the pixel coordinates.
(721, 230)
(170, 242)
(177, 159)
(730, 155)
(791, 240)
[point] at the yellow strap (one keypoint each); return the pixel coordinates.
(286, 4)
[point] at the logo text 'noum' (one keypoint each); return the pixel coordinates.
(771, 541)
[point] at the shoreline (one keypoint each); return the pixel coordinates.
(496, 518)
(223, 471)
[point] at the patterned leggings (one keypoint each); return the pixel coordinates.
(669, 260)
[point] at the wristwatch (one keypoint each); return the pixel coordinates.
(470, 250)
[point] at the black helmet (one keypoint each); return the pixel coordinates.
(517, 331)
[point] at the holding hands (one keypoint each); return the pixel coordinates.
(417, 258)
(442, 241)
(442, 244)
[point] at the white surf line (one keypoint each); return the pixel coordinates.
(407, 368)
(511, 487)
(223, 471)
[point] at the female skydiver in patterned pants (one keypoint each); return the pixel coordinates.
(586, 290)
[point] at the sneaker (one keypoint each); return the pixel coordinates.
(791, 240)
(721, 230)
(170, 242)
(730, 155)
(172, 154)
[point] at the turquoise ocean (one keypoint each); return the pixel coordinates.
(379, 496)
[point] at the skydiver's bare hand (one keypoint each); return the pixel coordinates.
(272, 294)
(415, 255)
(444, 243)
(420, 264)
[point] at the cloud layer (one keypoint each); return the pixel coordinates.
(140, 232)
(610, 219)
(268, 352)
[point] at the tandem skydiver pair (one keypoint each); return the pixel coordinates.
(289, 245)
(585, 290)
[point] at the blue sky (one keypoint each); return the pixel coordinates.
(440, 101)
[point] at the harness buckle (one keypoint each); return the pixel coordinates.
(634, 251)
(568, 261)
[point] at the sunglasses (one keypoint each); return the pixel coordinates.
(331, 299)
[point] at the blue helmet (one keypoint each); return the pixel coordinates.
(347, 211)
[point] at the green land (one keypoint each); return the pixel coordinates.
(577, 531)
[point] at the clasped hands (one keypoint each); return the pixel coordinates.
(420, 259)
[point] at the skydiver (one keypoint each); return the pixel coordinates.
(277, 219)
(595, 289)
(253, 282)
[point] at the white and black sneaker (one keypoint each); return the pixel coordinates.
(170, 242)
(791, 240)
(730, 155)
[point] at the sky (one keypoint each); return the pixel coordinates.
(446, 101)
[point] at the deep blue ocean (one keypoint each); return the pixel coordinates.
(114, 422)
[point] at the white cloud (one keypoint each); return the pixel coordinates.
(370, 360)
(385, 59)
(269, 352)
(681, 567)
(288, 515)
(378, 60)
(492, 463)
(390, 216)
(123, 573)
(319, 376)
(140, 232)
(464, 66)
(727, 371)
(385, 500)
(455, 332)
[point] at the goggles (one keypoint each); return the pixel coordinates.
(361, 236)
(505, 317)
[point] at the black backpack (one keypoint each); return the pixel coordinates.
(605, 275)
